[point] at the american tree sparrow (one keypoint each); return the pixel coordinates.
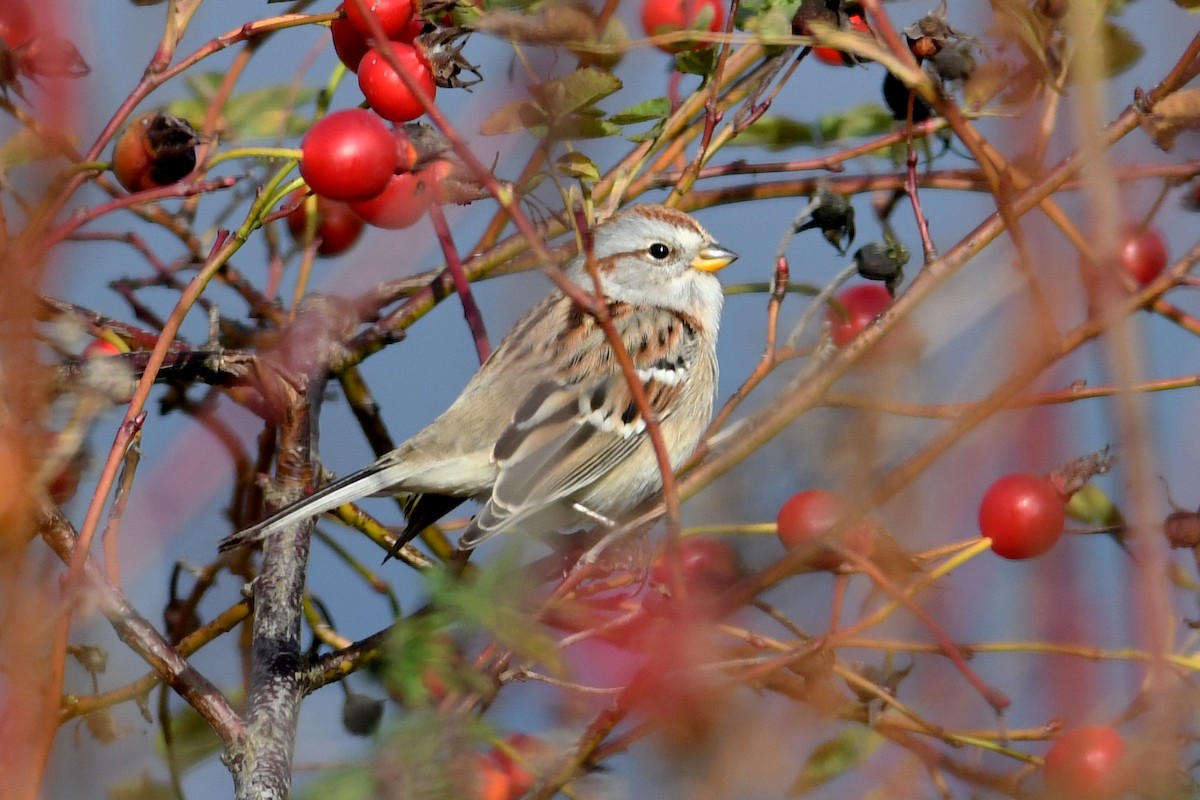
(547, 435)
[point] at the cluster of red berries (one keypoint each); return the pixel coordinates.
(388, 93)
(360, 170)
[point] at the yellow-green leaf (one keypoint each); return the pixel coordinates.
(837, 756)
(577, 165)
(653, 109)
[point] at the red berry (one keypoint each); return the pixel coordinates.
(406, 150)
(411, 31)
(439, 180)
(399, 205)
(349, 42)
(63, 485)
(1142, 254)
(491, 781)
(709, 565)
(394, 16)
(100, 347)
(859, 306)
(16, 22)
(805, 520)
(518, 759)
(1022, 514)
(155, 150)
(337, 227)
(667, 16)
(1086, 763)
(924, 47)
(827, 55)
(836, 58)
(386, 93)
(348, 155)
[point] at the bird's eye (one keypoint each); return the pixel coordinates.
(659, 251)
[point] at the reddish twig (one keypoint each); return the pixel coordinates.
(181, 189)
(910, 189)
(462, 284)
(670, 491)
(108, 539)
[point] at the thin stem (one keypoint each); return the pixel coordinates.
(462, 284)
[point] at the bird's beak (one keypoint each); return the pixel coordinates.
(713, 257)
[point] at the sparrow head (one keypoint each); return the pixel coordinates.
(658, 256)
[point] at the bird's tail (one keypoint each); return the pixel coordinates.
(367, 481)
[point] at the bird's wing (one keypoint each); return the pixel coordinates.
(566, 436)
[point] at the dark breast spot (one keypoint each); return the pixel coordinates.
(669, 364)
(598, 396)
(576, 316)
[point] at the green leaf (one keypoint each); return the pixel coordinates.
(492, 602)
(204, 85)
(655, 108)
(773, 22)
(1190, 5)
(779, 132)
(347, 783)
(23, 147)
(776, 133)
(511, 117)
(415, 645)
(648, 135)
(576, 90)
(188, 108)
(582, 126)
(535, 180)
(577, 165)
(616, 36)
(258, 114)
(697, 62)
(561, 108)
(750, 10)
(1120, 51)
(267, 112)
(511, 4)
(867, 119)
(837, 756)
